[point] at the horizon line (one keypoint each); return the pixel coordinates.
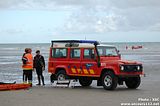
(99, 41)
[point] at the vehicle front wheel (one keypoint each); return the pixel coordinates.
(85, 81)
(109, 80)
(133, 82)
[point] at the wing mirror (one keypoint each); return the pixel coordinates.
(119, 55)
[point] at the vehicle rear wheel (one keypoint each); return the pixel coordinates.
(109, 80)
(85, 81)
(61, 75)
(133, 82)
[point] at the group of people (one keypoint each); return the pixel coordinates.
(30, 64)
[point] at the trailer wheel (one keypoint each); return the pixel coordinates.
(109, 80)
(133, 82)
(61, 75)
(85, 81)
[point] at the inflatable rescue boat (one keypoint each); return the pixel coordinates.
(13, 86)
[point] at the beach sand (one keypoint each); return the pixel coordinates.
(80, 96)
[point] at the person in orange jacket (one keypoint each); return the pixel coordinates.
(27, 66)
(24, 60)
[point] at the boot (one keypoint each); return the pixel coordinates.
(30, 82)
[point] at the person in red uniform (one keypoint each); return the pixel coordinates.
(39, 65)
(27, 66)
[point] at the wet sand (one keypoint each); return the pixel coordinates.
(80, 96)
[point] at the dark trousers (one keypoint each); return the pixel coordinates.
(23, 75)
(27, 76)
(40, 76)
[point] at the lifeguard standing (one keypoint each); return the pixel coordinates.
(27, 66)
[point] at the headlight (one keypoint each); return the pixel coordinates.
(138, 67)
(122, 68)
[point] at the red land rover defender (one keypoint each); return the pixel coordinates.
(88, 60)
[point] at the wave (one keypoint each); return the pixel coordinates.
(4, 63)
(8, 48)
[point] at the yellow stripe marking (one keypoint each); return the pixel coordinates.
(84, 75)
(27, 68)
(73, 70)
(85, 71)
(79, 70)
(91, 71)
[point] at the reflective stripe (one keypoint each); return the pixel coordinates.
(85, 71)
(30, 61)
(73, 70)
(82, 71)
(79, 70)
(27, 65)
(24, 58)
(91, 71)
(27, 68)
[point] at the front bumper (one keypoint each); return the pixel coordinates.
(131, 68)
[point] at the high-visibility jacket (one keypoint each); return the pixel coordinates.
(29, 62)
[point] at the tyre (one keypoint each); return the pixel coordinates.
(61, 75)
(85, 81)
(109, 80)
(133, 82)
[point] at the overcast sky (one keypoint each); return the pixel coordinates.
(40, 21)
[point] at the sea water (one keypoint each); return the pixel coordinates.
(11, 54)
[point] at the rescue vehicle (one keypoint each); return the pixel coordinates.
(87, 60)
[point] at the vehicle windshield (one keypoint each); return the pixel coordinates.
(107, 51)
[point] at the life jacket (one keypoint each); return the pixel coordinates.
(29, 63)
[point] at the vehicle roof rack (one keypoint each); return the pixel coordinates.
(76, 41)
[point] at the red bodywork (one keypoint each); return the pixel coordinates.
(88, 67)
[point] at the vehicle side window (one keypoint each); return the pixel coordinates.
(100, 51)
(52, 55)
(111, 51)
(88, 53)
(75, 53)
(59, 53)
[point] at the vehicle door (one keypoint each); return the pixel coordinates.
(74, 61)
(59, 57)
(89, 63)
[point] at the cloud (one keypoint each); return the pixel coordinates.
(38, 4)
(124, 4)
(98, 16)
(52, 4)
(155, 27)
(94, 21)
